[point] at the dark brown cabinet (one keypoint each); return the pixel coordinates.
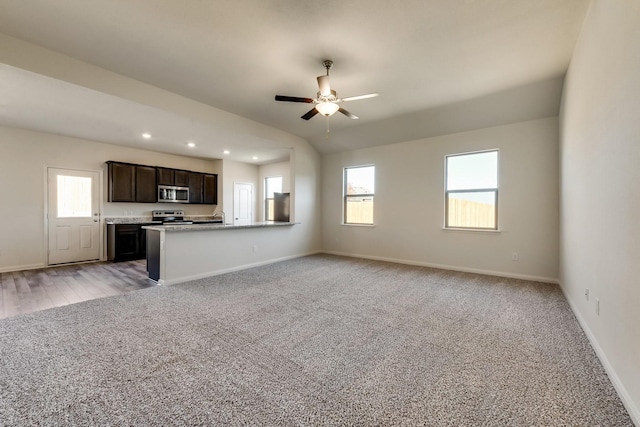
(165, 176)
(146, 187)
(126, 242)
(210, 192)
(131, 183)
(196, 185)
(122, 182)
(181, 178)
(177, 177)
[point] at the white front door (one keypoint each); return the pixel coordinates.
(242, 203)
(73, 215)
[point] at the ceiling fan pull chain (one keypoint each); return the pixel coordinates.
(327, 137)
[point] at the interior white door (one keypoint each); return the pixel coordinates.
(73, 215)
(242, 203)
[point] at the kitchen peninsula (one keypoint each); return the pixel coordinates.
(177, 253)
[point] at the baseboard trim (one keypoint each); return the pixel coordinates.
(629, 404)
(449, 267)
(232, 269)
(40, 265)
(21, 267)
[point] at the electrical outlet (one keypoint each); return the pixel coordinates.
(597, 306)
(255, 248)
(515, 256)
(586, 294)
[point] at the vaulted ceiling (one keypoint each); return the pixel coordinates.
(440, 66)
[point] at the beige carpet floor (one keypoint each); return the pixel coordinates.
(319, 340)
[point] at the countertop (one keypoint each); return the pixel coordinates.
(202, 227)
(148, 221)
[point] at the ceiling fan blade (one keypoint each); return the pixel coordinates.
(310, 114)
(355, 98)
(293, 99)
(324, 86)
(348, 114)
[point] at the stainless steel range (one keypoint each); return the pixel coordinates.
(175, 216)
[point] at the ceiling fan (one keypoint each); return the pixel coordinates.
(326, 99)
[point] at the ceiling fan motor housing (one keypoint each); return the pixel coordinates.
(331, 97)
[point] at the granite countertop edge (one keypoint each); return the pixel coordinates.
(201, 227)
(148, 220)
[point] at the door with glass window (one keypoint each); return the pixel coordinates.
(73, 216)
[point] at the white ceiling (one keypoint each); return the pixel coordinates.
(458, 62)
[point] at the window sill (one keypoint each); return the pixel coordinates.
(473, 230)
(358, 225)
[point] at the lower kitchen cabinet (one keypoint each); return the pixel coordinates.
(126, 242)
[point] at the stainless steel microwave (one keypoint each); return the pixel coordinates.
(172, 194)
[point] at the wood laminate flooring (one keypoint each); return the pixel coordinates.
(27, 291)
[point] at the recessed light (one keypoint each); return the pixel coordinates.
(146, 135)
(191, 144)
(255, 157)
(227, 152)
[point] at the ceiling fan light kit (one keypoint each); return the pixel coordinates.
(327, 108)
(326, 99)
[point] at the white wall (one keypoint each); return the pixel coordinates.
(409, 203)
(600, 176)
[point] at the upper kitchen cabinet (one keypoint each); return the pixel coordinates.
(196, 185)
(165, 176)
(139, 183)
(122, 182)
(210, 192)
(177, 177)
(146, 187)
(131, 183)
(181, 178)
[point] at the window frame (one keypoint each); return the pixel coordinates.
(495, 190)
(345, 195)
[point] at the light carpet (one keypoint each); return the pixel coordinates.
(319, 340)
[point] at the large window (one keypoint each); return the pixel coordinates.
(359, 189)
(471, 190)
(271, 185)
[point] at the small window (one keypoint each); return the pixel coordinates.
(359, 189)
(74, 196)
(271, 185)
(471, 190)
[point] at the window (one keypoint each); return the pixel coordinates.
(359, 188)
(74, 196)
(271, 185)
(471, 190)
